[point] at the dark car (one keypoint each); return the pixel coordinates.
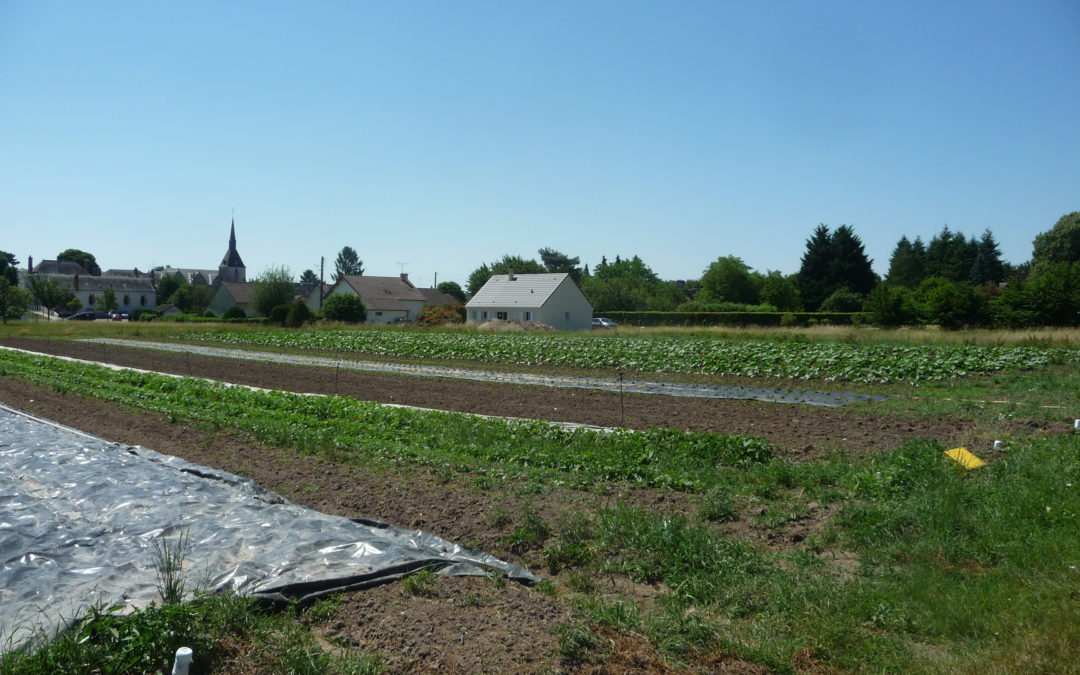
(83, 316)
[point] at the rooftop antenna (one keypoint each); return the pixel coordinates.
(401, 267)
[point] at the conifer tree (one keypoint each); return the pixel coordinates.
(907, 266)
(814, 269)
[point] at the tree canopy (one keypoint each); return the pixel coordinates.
(833, 261)
(309, 277)
(348, 264)
(13, 300)
(1059, 244)
(728, 279)
(452, 288)
(48, 293)
(9, 267)
(556, 261)
(508, 264)
(344, 307)
(273, 287)
(87, 260)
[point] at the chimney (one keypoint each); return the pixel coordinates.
(405, 278)
(76, 282)
(510, 276)
(29, 264)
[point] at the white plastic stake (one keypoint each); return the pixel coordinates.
(1076, 425)
(997, 445)
(182, 661)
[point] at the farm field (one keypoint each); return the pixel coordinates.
(729, 536)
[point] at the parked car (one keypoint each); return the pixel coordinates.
(601, 322)
(117, 316)
(83, 316)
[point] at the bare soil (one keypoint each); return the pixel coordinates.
(468, 625)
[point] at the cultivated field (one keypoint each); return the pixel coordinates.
(730, 536)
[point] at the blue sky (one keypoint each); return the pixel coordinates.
(434, 136)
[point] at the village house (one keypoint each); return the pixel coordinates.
(387, 299)
(553, 299)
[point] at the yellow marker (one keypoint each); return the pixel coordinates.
(965, 458)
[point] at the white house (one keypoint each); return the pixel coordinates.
(388, 299)
(553, 299)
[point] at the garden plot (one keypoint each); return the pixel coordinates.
(772, 395)
(83, 520)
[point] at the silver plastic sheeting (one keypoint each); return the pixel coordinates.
(79, 518)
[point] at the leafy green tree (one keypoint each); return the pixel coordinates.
(9, 267)
(309, 277)
(728, 279)
(556, 261)
(452, 288)
(629, 285)
(48, 293)
(907, 265)
(13, 300)
(508, 264)
(191, 298)
(950, 304)
(167, 286)
(234, 313)
(273, 287)
(890, 306)
(781, 291)
(344, 307)
(87, 260)
(348, 264)
(1059, 244)
(107, 302)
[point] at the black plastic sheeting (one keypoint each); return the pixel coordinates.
(829, 399)
(79, 517)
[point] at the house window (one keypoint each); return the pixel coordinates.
(127, 300)
(142, 300)
(90, 300)
(567, 316)
(500, 315)
(526, 316)
(484, 315)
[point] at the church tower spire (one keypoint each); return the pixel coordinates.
(232, 267)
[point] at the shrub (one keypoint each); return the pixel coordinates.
(234, 313)
(209, 314)
(278, 314)
(347, 308)
(441, 314)
(298, 315)
(842, 300)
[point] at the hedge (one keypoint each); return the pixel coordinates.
(735, 318)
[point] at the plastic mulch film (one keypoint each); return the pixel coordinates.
(80, 517)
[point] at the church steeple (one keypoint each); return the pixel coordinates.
(232, 267)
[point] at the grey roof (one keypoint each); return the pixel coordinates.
(525, 290)
(435, 297)
(124, 273)
(379, 290)
(241, 291)
(87, 282)
(56, 267)
(192, 274)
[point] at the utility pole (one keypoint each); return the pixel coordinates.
(322, 263)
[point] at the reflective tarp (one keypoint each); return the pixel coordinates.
(79, 517)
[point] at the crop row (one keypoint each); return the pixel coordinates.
(756, 358)
(351, 430)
